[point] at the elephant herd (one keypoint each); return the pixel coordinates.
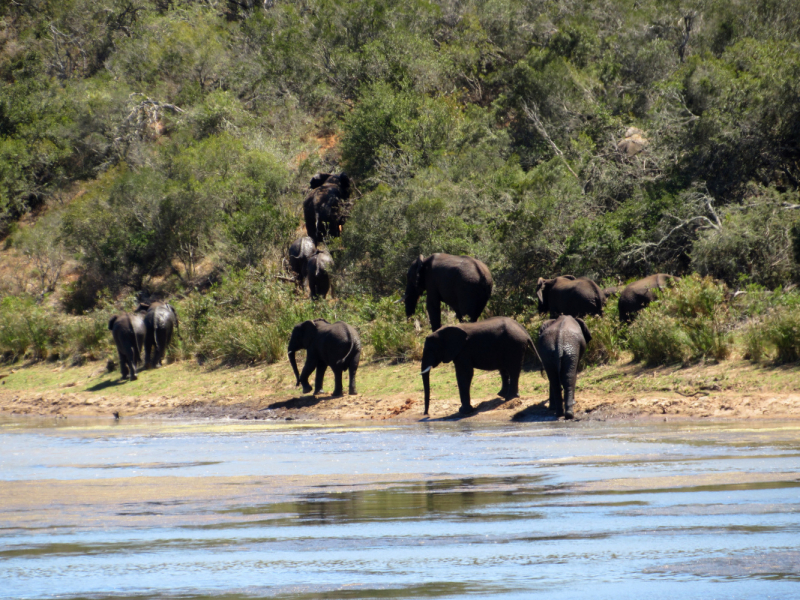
(463, 283)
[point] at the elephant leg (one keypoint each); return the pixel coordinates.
(504, 389)
(512, 389)
(338, 389)
(123, 364)
(352, 369)
(161, 346)
(148, 346)
(434, 310)
(132, 366)
(464, 373)
(556, 402)
(320, 377)
(308, 368)
(568, 378)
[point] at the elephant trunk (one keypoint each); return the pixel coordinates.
(294, 367)
(410, 300)
(426, 384)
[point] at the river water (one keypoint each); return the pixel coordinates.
(164, 509)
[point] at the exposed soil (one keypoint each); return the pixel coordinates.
(732, 389)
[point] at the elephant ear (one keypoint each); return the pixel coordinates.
(543, 327)
(344, 185)
(570, 277)
(586, 335)
(419, 280)
(111, 322)
(143, 307)
(454, 339)
(539, 291)
(318, 179)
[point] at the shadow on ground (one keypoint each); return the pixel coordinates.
(534, 413)
(106, 384)
(301, 402)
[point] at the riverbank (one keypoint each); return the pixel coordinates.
(730, 389)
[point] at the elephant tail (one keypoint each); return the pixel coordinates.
(536, 352)
(354, 345)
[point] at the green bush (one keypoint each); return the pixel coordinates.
(28, 329)
(690, 320)
(239, 340)
(777, 335)
(608, 338)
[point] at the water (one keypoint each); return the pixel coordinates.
(92, 509)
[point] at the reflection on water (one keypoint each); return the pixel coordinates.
(216, 510)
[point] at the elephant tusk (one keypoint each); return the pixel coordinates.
(426, 371)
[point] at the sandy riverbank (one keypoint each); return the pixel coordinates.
(731, 389)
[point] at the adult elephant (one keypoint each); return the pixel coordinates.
(496, 344)
(570, 295)
(562, 342)
(463, 283)
(160, 321)
(301, 250)
(320, 267)
(640, 293)
(128, 332)
(326, 207)
(336, 346)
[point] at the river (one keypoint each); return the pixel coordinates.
(217, 509)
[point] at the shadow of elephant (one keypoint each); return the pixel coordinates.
(534, 413)
(484, 406)
(306, 401)
(98, 387)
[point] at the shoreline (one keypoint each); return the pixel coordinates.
(727, 390)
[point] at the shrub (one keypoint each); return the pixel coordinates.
(777, 335)
(238, 339)
(689, 321)
(607, 338)
(27, 329)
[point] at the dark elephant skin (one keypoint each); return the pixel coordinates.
(300, 251)
(320, 266)
(561, 343)
(128, 332)
(336, 346)
(160, 321)
(463, 283)
(570, 295)
(496, 344)
(640, 293)
(326, 207)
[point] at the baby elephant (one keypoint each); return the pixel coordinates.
(128, 332)
(336, 346)
(160, 320)
(496, 344)
(562, 342)
(320, 266)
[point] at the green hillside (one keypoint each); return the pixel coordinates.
(166, 146)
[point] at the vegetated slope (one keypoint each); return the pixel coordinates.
(169, 140)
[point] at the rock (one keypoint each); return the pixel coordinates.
(633, 142)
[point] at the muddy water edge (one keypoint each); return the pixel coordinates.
(146, 509)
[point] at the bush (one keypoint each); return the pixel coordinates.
(27, 329)
(777, 335)
(239, 340)
(608, 338)
(691, 320)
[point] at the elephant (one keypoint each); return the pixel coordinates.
(128, 332)
(320, 266)
(336, 346)
(301, 250)
(570, 295)
(462, 282)
(160, 320)
(326, 207)
(496, 344)
(562, 342)
(640, 293)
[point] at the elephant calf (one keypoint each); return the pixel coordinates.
(320, 266)
(160, 320)
(496, 344)
(129, 333)
(562, 342)
(301, 250)
(336, 346)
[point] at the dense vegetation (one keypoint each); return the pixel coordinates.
(165, 146)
